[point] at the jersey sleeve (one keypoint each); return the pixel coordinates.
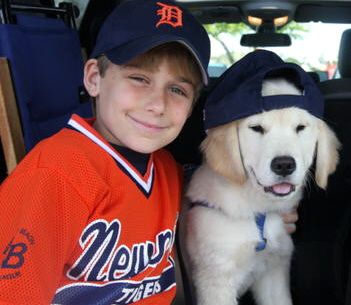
(40, 220)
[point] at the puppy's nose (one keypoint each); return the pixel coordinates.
(283, 166)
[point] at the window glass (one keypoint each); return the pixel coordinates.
(314, 46)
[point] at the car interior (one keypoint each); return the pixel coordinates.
(314, 34)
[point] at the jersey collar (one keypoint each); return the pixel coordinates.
(144, 182)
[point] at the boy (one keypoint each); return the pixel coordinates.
(89, 216)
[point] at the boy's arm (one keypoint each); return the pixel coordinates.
(39, 220)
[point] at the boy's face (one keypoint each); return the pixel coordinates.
(137, 108)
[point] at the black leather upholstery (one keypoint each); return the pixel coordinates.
(340, 88)
(320, 265)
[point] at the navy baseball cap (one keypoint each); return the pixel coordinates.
(136, 26)
(238, 93)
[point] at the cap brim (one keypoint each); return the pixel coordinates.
(126, 52)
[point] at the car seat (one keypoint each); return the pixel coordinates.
(337, 94)
(337, 89)
(320, 265)
(46, 65)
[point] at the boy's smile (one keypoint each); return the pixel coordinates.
(140, 108)
(147, 126)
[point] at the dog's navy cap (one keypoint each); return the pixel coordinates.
(238, 92)
(136, 26)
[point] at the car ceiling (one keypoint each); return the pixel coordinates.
(232, 11)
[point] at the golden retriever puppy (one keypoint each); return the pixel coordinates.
(254, 169)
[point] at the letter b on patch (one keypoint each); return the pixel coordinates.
(15, 256)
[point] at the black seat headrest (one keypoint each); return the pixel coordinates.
(315, 76)
(344, 62)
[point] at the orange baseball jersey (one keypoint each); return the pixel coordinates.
(80, 225)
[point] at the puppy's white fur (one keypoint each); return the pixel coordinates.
(236, 180)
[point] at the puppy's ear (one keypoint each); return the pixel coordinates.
(222, 152)
(327, 154)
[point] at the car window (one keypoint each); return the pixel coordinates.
(315, 46)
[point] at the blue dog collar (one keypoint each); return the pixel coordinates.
(260, 220)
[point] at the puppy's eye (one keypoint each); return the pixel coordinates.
(257, 128)
(300, 128)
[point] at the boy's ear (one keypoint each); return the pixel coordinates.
(92, 77)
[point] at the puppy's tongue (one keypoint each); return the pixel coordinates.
(282, 188)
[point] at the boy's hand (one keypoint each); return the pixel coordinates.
(290, 219)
